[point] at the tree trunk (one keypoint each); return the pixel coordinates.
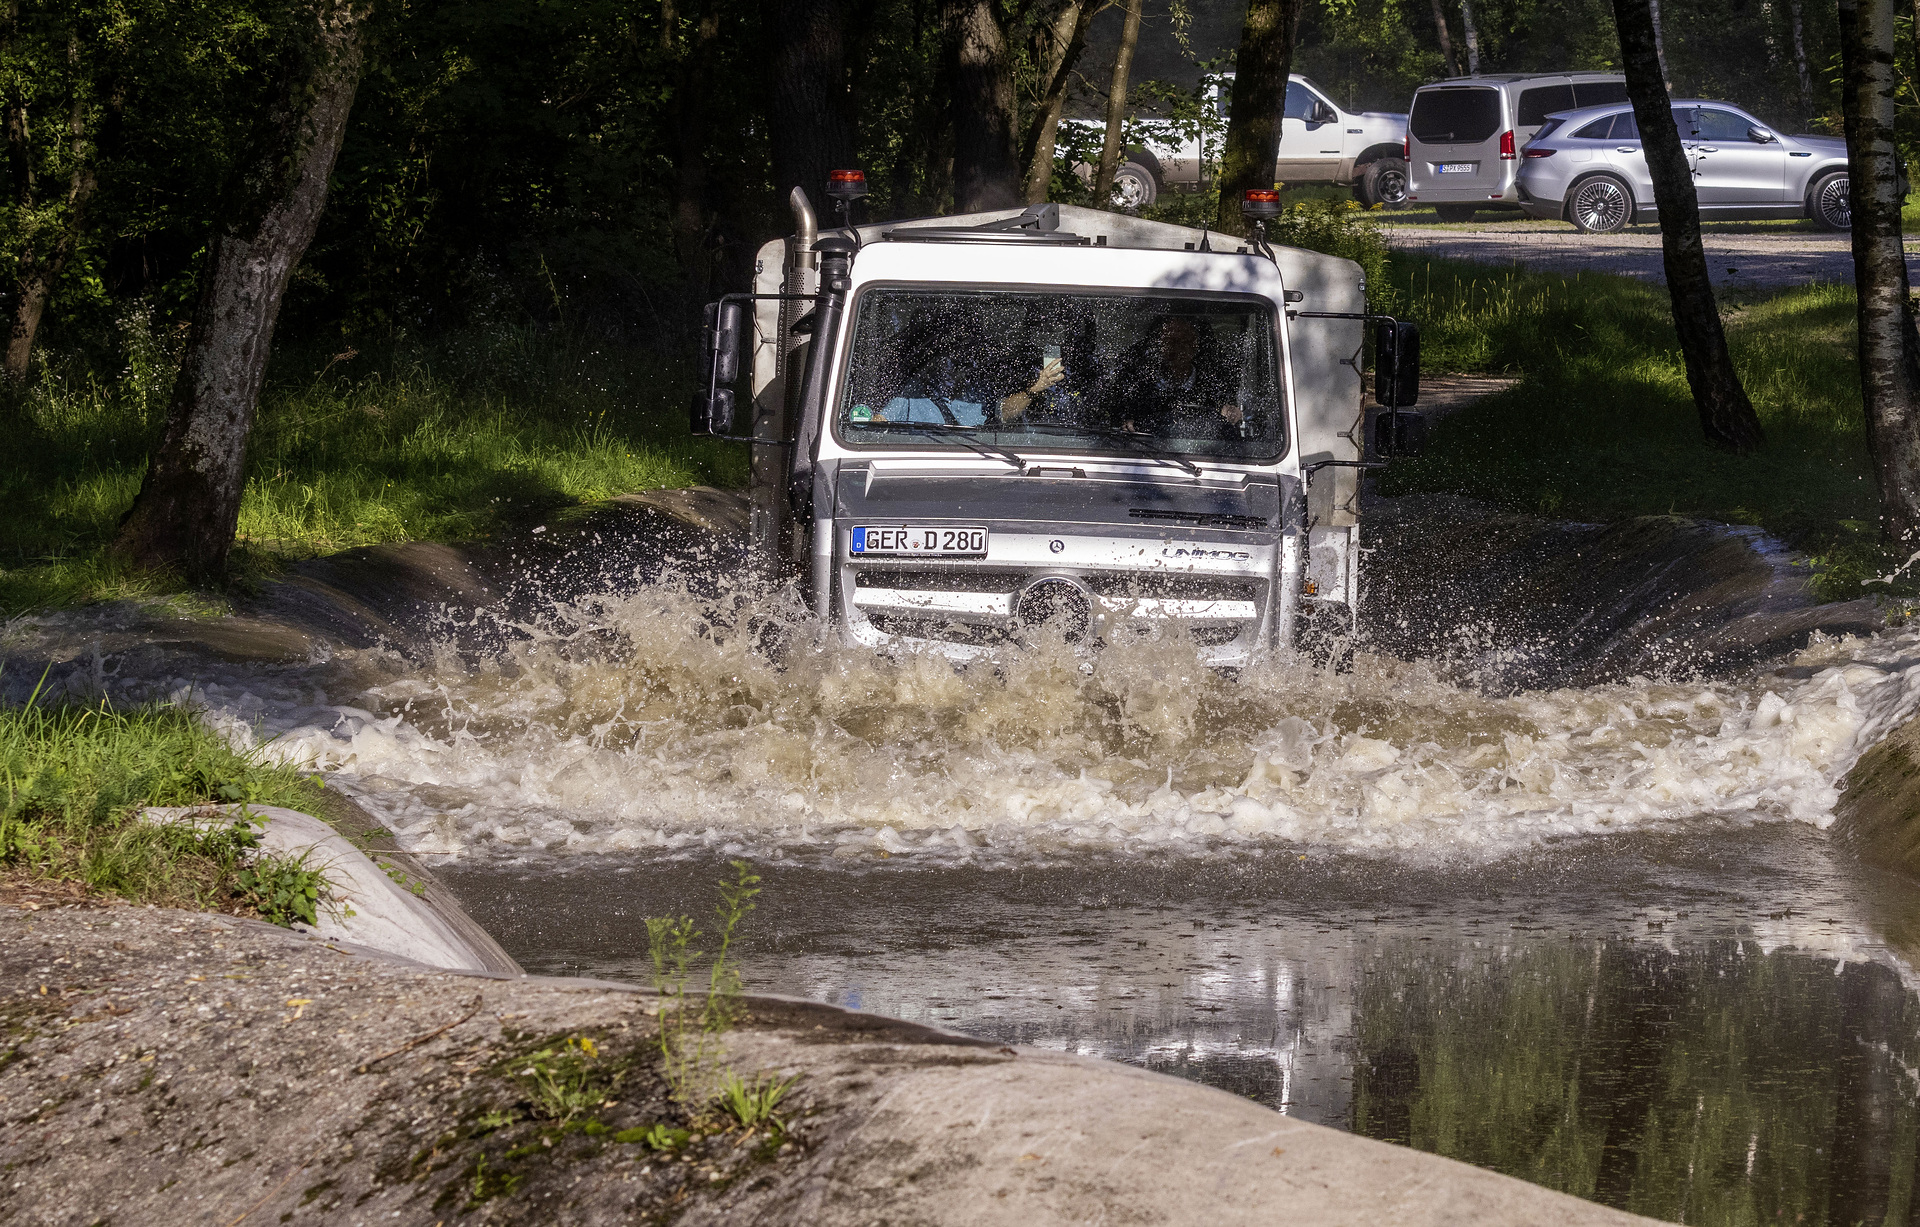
(1726, 415)
(687, 117)
(1800, 57)
(1252, 146)
(189, 503)
(1889, 348)
(986, 166)
(1659, 39)
(811, 120)
(1446, 38)
(1473, 37)
(1062, 41)
(41, 260)
(1117, 88)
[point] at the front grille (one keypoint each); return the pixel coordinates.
(921, 627)
(972, 579)
(1173, 587)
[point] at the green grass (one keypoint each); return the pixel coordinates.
(1602, 424)
(75, 777)
(471, 436)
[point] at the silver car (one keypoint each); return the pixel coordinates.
(1587, 167)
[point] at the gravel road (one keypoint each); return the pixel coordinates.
(1734, 258)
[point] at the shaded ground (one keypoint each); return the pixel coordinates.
(1735, 257)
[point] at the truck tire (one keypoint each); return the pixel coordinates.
(1134, 187)
(1454, 212)
(1383, 182)
(1828, 203)
(1600, 204)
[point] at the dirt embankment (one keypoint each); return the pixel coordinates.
(182, 1068)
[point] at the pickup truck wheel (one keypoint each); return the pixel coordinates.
(1454, 212)
(1600, 205)
(1134, 187)
(1383, 183)
(1828, 203)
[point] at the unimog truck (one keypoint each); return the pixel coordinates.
(972, 431)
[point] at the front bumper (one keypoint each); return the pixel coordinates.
(1090, 590)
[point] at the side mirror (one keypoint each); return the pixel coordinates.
(1324, 114)
(1760, 135)
(720, 341)
(713, 403)
(1396, 363)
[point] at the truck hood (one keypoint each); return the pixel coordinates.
(1147, 508)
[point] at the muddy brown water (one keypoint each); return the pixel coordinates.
(1544, 883)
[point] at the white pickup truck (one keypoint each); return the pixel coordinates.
(1319, 143)
(970, 432)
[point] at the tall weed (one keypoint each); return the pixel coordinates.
(690, 1029)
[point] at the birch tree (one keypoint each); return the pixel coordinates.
(1058, 45)
(1446, 38)
(184, 516)
(1117, 86)
(1889, 348)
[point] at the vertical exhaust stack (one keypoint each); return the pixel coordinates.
(770, 531)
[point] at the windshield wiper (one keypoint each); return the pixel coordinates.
(965, 434)
(1130, 437)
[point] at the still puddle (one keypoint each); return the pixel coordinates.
(1697, 1028)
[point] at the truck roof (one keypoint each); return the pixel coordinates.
(1050, 224)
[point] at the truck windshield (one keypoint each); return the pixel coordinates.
(1100, 372)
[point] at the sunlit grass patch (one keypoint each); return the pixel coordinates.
(1602, 423)
(72, 780)
(473, 435)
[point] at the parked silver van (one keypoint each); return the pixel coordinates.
(1464, 134)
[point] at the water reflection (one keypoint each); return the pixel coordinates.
(1706, 1030)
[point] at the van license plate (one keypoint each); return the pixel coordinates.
(1458, 168)
(869, 540)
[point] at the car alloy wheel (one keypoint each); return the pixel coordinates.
(1133, 187)
(1601, 206)
(1393, 187)
(1833, 203)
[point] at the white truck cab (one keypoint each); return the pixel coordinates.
(972, 431)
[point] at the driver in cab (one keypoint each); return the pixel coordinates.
(1178, 398)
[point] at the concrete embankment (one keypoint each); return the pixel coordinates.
(173, 1067)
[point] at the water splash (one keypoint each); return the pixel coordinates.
(658, 719)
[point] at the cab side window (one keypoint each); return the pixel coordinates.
(1301, 103)
(1597, 130)
(1625, 127)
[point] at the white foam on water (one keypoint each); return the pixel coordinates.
(643, 721)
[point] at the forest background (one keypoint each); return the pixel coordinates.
(532, 199)
(526, 159)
